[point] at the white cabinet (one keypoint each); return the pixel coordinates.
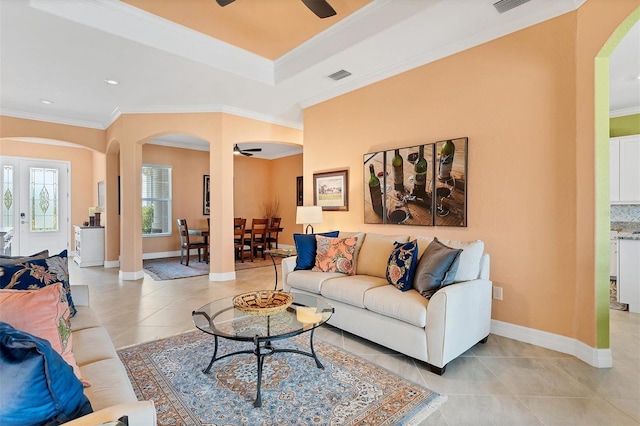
(89, 246)
(629, 273)
(624, 169)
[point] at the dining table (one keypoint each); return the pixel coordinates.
(204, 233)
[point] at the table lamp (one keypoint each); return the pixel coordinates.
(308, 215)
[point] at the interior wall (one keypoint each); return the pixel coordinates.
(251, 187)
(283, 172)
(515, 98)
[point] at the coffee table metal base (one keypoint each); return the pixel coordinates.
(263, 349)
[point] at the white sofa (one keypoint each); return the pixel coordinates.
(435, 331)
(111, 394)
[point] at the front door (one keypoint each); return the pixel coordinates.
(41, 205)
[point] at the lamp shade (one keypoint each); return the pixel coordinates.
(308, 215)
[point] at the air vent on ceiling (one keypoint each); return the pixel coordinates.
(504, 5)
(339, 75)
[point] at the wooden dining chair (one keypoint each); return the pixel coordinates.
(239, 225)
(186, 243)
(274, 230)
(258, 238)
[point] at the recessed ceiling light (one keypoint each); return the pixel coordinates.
(46, 101)
(111, 81)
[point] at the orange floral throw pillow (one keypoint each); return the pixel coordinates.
(335, 254)
(43, 313)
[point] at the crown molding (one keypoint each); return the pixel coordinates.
(51, 119)
(123, 20)
(624, 112)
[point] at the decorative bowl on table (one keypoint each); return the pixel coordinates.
(263, 302)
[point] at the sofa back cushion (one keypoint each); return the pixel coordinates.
(374, 254)
(14, 260)
(469, 261)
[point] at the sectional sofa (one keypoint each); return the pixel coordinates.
(434, 330)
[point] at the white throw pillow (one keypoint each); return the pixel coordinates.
(469, 266)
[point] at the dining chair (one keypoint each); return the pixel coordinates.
(239, 225)
(186, 243)
(274, 230)
(258, 238)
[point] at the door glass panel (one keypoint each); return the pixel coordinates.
(43, 199)
(7, 196)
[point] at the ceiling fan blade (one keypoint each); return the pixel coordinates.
(248, 154)
(321, 8)
(253, 150)
(223, 3)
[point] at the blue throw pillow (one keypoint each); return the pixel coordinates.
(402, 265)
(306, 248)
(38, 386)
(34, 273)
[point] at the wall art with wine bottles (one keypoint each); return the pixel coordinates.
(420, 185)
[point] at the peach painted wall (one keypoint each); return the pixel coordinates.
(283, 182)
(516, 99)
(83, 190)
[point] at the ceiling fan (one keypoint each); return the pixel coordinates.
(321, 8)
(247, 152)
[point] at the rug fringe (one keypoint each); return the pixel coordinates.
(426, 411)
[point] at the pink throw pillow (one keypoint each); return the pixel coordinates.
(335, 254)
(42, 313)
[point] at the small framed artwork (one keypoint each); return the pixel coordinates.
(299, 191)
(205, 195)
(331, 190)
(101, 195)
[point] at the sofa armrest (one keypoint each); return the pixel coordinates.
(141, 413)
(80, 294)
(288, 265)
(458, 317)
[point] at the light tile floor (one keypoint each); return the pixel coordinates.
(503, 382)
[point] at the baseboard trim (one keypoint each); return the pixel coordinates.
(131, 276)
(600, 358)
(111, 264)
(222, 276)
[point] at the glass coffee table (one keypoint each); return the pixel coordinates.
(221, 319)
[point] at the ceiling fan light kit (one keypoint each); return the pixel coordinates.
(247, 152)
(321, 8)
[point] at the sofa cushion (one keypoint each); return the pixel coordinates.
(306, 249)
(361, 236)
(351, 289)
(423, 243)
(309, 280)
(85, 317)
(374, 254)
(402, 265)
(408, 306)
(14, 260)
(43, 313)
(110, 383)
(36, 273)
(469, 264)
(38, 386)
(335, 254)
(92, 344)
(437, 268)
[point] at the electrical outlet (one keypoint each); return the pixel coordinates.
(497, 293)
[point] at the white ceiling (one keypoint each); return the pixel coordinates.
(63, 50)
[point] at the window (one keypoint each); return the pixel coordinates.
(7, 196)
(156, 200)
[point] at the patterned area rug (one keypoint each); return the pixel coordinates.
(169, 268)
(349, 391)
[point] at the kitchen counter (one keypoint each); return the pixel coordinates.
(626, 230)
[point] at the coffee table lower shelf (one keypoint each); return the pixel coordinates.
(263, 349)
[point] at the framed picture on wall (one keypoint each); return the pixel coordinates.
(331, 190)
(299, 191)
(205, 195)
